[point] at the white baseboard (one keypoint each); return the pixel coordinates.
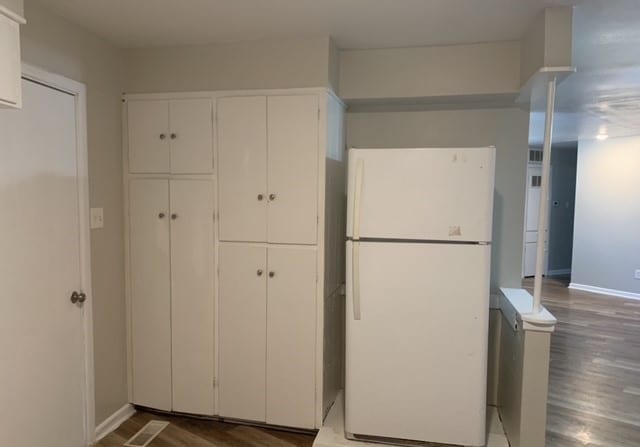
(604, 291)
(559, 272)
(114, 421)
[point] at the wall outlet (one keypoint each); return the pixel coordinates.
(97, 218)
(637, 274)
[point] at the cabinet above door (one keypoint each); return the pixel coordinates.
(170, 136)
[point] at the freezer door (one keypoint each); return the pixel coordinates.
(416, 341)
(424, 194)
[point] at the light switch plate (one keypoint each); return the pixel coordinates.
(97, 218)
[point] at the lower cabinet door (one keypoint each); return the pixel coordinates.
(242, 331)
(150, 293)
(192, 296)
(291, 336)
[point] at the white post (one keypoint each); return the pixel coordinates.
(544, 194)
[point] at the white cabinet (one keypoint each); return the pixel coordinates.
(172, 292)
(268, 168)
(10, 65)
(267, 303)
(170, 136)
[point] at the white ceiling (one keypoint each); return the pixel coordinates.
(352, 23)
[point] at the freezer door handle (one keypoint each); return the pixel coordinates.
(355, 280)
(357, 197)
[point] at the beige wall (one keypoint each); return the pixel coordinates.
(249, 65)
(455, 70)
(57, 46)
(16, 6)
(507, 129)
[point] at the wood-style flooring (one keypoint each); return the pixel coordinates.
(594, 375)
(191, 432)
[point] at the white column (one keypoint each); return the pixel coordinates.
(544, 194)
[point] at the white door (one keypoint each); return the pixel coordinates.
(42, 342)
(191, 122)
(291, 336)
(242, 168)
(150, 291)
(192, 270)
(149, 139)
(293, 169)
(534, 182)
(242, 304)
(433, 194)
(416, 359)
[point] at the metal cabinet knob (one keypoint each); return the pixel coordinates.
(161, 215)
(162, 136)
(174, 216)
(272, 197)
(272, 274)
(174, 136)
(78, 297)
(259, 272)
(260, 197)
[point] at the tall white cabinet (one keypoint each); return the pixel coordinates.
(235, 298)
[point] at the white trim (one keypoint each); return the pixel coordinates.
(605, 291)
(12, 15)
(114, 421)
(559, 272)
(78, 90)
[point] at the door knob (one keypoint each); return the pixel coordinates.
(174, 136)
(272, 197)
(272, 274)
(259, 272)
(161, 215)
(260, 197)
(174, 216)
(162, 136)
(78, 297)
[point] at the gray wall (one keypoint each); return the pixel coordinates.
(16, 6)
(507, 129)
(606, 246)
(563, 190)
(58, 46)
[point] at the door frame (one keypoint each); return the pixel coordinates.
(79, 92)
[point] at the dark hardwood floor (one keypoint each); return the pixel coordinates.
(594, 377)
(191, 432)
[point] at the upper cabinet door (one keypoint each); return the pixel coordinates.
(10, 84)
(192, 313)
(149, 139)
(191, 123)
(242, 172)
(150, 293)
(242, 307)
(293, 169)
(291, 336)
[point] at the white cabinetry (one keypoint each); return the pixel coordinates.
(170, 136)
(171, 269)
(10, 65)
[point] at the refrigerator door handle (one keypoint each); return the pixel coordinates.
(355, 280)
(357, 199)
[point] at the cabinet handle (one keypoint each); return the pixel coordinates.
(162, 136)
(259, 272)
(260, 197)
(174, 136)
(272, 197)
(272, 274)
(161, 215)
(174, 216)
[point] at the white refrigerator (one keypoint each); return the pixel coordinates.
(418, 263)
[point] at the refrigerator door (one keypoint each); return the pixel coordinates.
(422, 194)
(416, 341)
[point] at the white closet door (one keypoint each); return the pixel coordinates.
(192, 276)
(242, 173)
(291, 336)
(293, 169)
(149, 142)
(242, 332)
(191, 122)
(150, 292)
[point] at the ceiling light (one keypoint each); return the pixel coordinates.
(602, 136)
